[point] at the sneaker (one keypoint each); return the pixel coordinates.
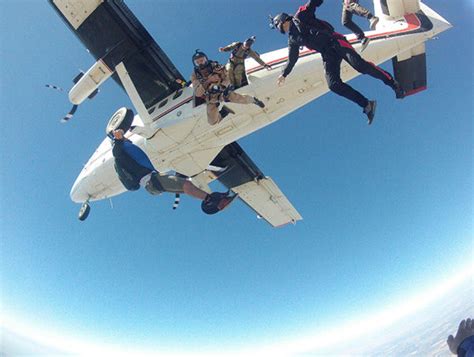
(365, 42)
(369, 110)
(399, 91)
(258, 102)
(373, 22)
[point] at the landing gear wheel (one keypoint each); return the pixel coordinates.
(84, 211)
(122, 119)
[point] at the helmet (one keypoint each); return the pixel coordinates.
(279, 20)
(199, 54)
(250, 41)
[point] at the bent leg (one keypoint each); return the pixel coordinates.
(347, 22)
(240, 76)
(332, 67)
(194, 191)
(213, 116)
(241, 99)
(231, 74)
(362, 66)
(176, 184)
(360, 11)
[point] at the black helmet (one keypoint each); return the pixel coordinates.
(199, 54)
(250, 41)
(279, 20)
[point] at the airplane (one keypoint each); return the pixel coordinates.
(172, 127)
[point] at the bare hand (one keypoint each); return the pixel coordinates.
(221, 49)
(281, 80)
(465, 330)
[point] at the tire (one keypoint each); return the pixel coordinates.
(122, 119)
(84, 211)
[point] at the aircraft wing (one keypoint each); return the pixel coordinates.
(237, 171)
(112, 34)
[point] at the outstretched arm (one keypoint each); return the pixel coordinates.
(313, 4)
(306, 15)
(293, 56)
(257, 58)
(229, 48)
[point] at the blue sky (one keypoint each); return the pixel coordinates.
(387, 209)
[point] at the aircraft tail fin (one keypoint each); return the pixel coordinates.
(389, 11)
(409, 67)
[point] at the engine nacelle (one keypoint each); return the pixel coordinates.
(89, 82)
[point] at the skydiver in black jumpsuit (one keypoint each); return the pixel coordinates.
(304, 29)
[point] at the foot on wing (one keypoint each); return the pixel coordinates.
(369, 110)
(258, 102)
(225, 111)
(365, 42)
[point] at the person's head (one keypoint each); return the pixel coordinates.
(282, 22)
(200, 59)
(118, 134)
(249, 42)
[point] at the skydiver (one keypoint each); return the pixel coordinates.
(236, 65)
(210, 81)
(304, 29)
(135, 170)
(351, 7)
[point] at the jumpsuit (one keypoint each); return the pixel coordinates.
(133, 165)
(236, 65)
(215, 75)
(307, 30)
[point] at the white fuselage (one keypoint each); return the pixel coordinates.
(182, 139)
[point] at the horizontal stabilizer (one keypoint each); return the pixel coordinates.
(410, 70)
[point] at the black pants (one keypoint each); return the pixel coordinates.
(332, 58)
(352, 7)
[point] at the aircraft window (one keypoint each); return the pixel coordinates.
(163, 103)
(151, 110)
(177, 94)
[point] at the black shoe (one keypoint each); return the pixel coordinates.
(369, 110)
(399, 91)
(225, 111)
(258, 102)
(365, 42)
